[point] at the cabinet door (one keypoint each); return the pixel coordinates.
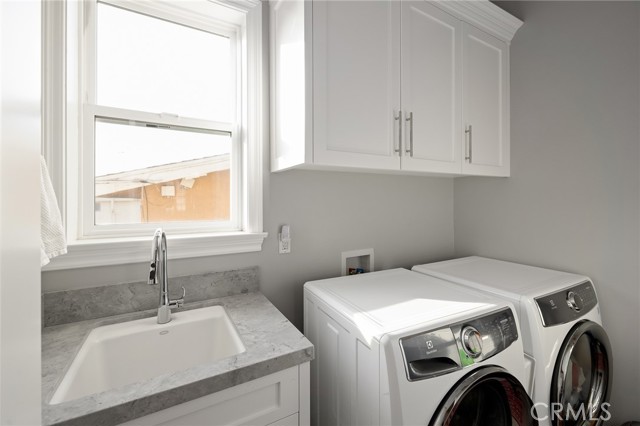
(431, 88)
(335, 361)
(486, 103)
(356, 66)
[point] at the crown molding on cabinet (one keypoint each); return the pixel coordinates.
(484, 15)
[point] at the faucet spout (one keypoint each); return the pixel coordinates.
(158, 275)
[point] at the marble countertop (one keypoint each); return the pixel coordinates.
(272, 344)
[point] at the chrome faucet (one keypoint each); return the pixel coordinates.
(158, 275)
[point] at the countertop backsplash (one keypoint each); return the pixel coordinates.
(63, 307)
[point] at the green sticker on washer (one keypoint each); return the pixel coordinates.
(465, 359)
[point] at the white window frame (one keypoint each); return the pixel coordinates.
(67, 30)
(91, 111)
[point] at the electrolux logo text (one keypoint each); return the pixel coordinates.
(557, 411)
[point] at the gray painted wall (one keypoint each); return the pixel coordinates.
(405, 219)
(572, 200)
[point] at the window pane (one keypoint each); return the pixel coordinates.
(149, 174)
(152, 65)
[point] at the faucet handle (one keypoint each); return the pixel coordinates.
(179, 302)
(152, 273)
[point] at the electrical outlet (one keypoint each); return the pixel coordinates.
(284, 240)
(284, 245)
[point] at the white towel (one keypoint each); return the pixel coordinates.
(52, 239)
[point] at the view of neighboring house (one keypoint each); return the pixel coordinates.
(183, 191)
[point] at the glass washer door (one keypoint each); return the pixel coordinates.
(582, 377)
(487, 396)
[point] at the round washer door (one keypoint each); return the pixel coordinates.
(581, 382)
(487, 396)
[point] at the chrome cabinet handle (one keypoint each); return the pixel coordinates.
(469, 133)
(398, 118)
(410, 120)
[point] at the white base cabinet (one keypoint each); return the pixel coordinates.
(392, 86)
(277, 399)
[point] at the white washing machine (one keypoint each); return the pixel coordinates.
(397, 347)
(562, 330)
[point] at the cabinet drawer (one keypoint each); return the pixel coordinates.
(258, 402)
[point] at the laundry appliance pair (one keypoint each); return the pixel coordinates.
(442, 345)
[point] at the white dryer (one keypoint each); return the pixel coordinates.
(562, 330)
(397, 347)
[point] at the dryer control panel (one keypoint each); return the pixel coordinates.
(567, 305)
(438, 352)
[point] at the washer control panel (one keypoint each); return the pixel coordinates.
(438, 352)
(567, 305)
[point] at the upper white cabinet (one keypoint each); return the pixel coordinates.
(405, 86)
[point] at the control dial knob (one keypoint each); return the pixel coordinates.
(574, 301)
(471, 341)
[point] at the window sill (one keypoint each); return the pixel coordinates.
(102, 252)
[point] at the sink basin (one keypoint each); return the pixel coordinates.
(120, 354)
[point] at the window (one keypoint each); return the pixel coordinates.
(160, 130)
(164, 109)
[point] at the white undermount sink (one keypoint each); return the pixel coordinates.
(120, 354)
